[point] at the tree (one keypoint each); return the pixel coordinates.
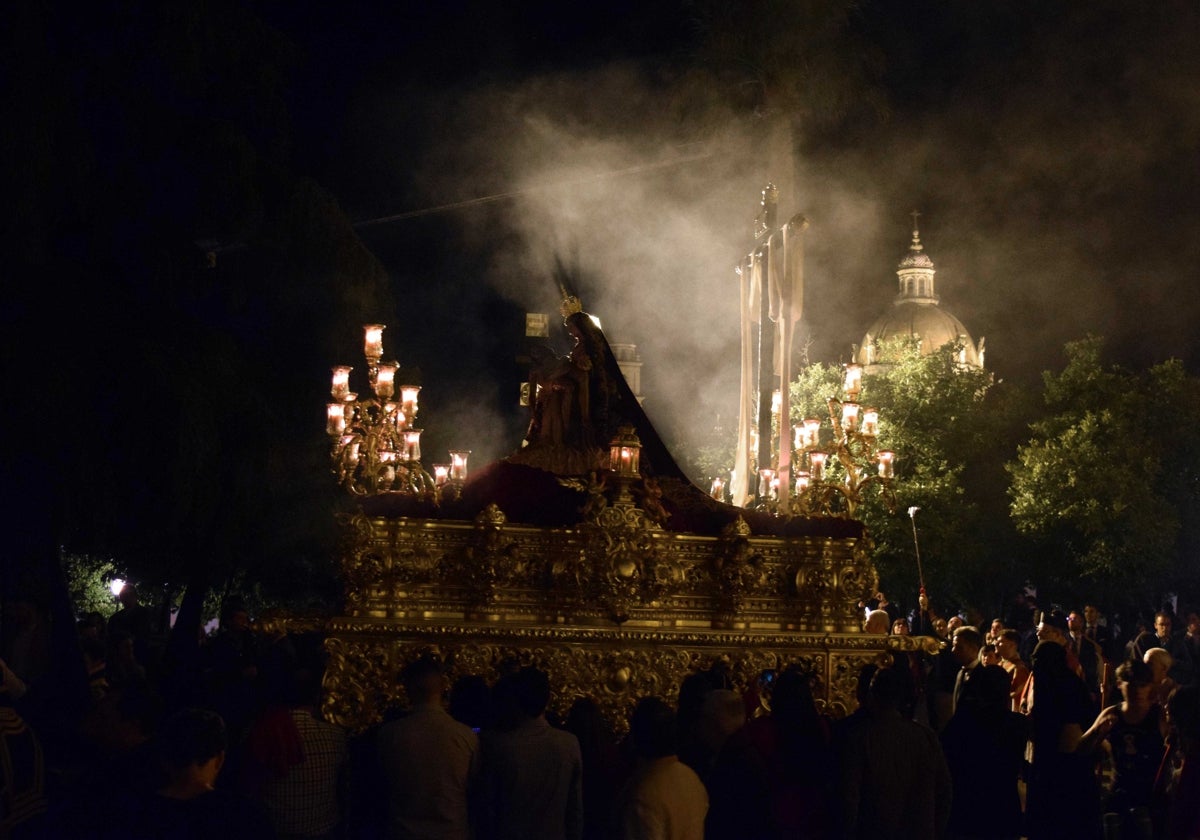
(952, 428)
(89, 582)
(1105, 485)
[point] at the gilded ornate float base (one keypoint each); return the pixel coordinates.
(614, 607)
(613, 666)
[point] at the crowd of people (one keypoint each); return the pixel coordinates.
(1065, 727)
(1061, 724)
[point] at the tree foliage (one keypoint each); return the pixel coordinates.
(89, 580)
(952, 429)
(1109, 478)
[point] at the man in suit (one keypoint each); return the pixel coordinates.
(1091, 659)
(965, 650)
(1182, 667)
(1097, 630)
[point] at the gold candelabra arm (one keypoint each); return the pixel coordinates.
(886, 491)
(840, 471)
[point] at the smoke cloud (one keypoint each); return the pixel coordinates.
(1056, 184)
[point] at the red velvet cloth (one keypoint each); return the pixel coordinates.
(529, 496)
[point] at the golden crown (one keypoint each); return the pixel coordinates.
(570, 305)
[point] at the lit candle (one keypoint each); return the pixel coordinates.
(408, 396)
(887, 459)
(816, 465)
(335, 419)
(458, 464)
(812, 431)
(412, 445)
(341, 382)
(766, 477)
(373, 341)
(870, 422)
(802, 482)
(853, 381)
(353, 454)
(441, 473)
(849, 415)
(718, 489)
(385, 380)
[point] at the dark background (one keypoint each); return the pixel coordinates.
(203, 201)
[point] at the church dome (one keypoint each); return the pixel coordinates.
(916, 314)
(934, 326)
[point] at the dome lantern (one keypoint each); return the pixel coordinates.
(916, 313)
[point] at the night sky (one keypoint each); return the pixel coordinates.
(1050, 147)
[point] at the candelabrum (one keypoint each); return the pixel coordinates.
(375, 446)
(831, 471)
(834, 471)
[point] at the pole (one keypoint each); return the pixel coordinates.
(766, 344)
(912, 514)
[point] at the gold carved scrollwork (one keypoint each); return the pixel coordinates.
(737, 568)
(357, 682)
(361, 563)
(861, 579)
(416, 564)
(816, 584)
(614, 678)
(489, 561)
(843, 680)
(613, 667)
(622, 555)
(924, 644)
(569, 578)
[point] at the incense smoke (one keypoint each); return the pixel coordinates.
(1055, 185)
